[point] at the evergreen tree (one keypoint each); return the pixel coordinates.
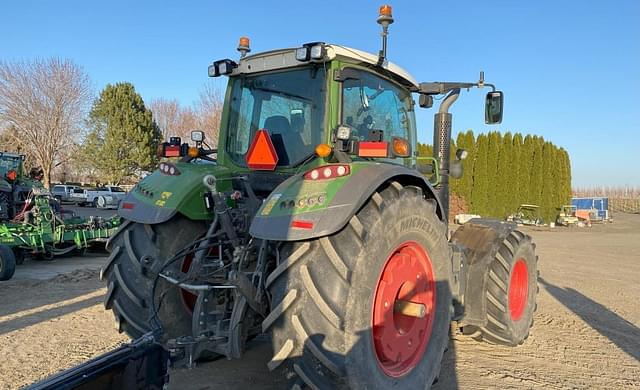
(466, 141)
(468, 164)
(504, 179)
(558, 174)
(424, 150)
(519, 173)
(536, 176)
(528, 152)
(495, 144)
(124, 133)
(568, 192)
(547, 196)
(503, 172)
(565, 179)
(480, 190)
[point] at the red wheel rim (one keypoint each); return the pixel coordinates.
(518, 289)
(188, 298)
(400, 340)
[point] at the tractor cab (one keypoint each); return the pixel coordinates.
(15, 187)
(320, 100)
(11, 165)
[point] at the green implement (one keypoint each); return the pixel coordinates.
(45, 233)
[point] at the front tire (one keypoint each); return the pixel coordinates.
(331, 312)
(511, 291)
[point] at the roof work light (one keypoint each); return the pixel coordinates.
(311, 51)
(222, 67)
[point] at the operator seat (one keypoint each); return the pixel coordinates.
(287, 142)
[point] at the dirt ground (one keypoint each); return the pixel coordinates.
(586, 332)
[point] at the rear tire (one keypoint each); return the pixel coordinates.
(138, 252)
(325, 299)
(512, 288)
(7, 263)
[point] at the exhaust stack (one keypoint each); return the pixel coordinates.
(442, 146)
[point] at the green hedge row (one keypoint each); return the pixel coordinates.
(503, 171)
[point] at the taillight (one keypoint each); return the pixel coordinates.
(169, 169)
(173, 148)
(172, 151)
(328, 172)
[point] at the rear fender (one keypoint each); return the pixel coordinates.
(288, 215)
(158, 197)
(479, 241)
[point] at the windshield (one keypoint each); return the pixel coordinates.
(116, 189)
(288, 104)
(8, 163)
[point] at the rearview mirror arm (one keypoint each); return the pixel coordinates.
(439, 88)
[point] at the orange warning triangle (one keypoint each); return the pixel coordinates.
(262, 155)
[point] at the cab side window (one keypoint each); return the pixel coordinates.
(372, 103)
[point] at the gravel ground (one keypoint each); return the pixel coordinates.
(586, 332)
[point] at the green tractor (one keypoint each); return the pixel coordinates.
(15, 187)
(315, 222)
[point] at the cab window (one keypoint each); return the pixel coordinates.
(289, 105)
(373, 103)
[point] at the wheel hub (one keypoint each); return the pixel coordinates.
(518, 289)
(403, 309)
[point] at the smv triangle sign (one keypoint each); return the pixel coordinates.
(262, 155)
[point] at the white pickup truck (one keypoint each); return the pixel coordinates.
(102, 197)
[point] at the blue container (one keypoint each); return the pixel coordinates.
(601, 204)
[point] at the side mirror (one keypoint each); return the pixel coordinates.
(493, 106)
(425, 101)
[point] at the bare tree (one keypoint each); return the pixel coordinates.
(177, 120)
(209, 109)
(172, 118)
(166, 113)
(188, 121)
(44, 101)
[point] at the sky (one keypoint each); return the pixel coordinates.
(570, 70)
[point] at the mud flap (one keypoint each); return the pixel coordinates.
(141, 364)
(479, 240)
